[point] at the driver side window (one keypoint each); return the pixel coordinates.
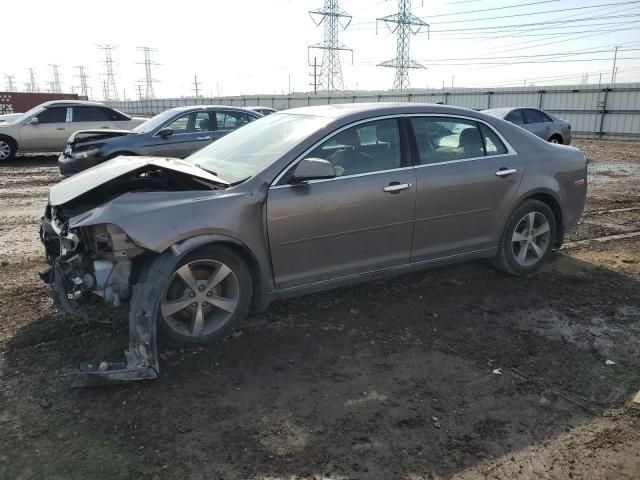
(365, 148)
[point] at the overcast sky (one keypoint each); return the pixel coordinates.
(255, 46)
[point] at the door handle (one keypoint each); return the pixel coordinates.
(60, 128)
(396, 187)
(505, 172)
(203, 138)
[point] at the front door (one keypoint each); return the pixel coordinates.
(466, 180)
(360, 221)
(50, 134)
(190, 132)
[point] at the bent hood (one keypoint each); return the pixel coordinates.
(94, 177)
(97, 134)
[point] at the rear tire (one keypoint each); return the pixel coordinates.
(527, 239)
(205, 298)
(557, 139)
(7, 149)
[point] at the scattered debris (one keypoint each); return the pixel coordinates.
(609, 362)
(436, 422)
(636, 399)
(497, 371)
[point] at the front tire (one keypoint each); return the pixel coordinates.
(527, 239)
(205, 298)
(7, 149)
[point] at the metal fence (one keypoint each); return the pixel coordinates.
(594, 111)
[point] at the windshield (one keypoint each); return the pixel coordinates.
(156, 121)
(243, 152)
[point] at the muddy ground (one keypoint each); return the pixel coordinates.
(387, 380)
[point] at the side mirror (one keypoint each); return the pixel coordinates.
(33, 121)
(165, 132)
(313, 169)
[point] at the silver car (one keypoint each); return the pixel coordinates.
(541, 123)
(301, 201)
(47, 127)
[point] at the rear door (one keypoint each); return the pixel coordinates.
(535, 123)
(360, 221)
(90, 118)
(228, 120)
(466, 177)
(191, 132)
(51, 132)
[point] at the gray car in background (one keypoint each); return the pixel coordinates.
(301, 201)
(541, 123)
(177, 132)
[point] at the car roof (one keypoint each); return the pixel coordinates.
(209, 107)
(339, 111)
(71, 103)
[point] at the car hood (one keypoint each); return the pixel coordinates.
(97, 134)
(111, 170)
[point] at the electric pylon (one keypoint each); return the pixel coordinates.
(10, 86)
(32, 86)
(84, 84)
(334, 19)
(109, 89)
(54, 84)
(404, 24)
(148, 78)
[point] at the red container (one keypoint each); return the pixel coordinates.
(20, 102)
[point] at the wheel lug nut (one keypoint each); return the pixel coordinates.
(204, 304)
(194, 304)
(201, 287)
(192, 294)
(209, 294)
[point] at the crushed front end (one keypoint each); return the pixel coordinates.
(97, 260)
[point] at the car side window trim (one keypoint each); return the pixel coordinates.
(276, 182)
(69, 117)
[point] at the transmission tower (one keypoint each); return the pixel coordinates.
(109, 89)
(196, 86)
(83, 77)
(334, 19)
(148, 78)
(403, 24)
(54, 84)
(32, 86)
(9, 82)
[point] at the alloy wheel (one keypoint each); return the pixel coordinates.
(531, 239)
(555, 140)
(200, 298)
(5, 150)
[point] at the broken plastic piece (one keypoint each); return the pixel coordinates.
(609, 362)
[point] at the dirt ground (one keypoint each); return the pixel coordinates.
(386, 380)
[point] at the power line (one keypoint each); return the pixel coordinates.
(520, 5)
(406, 24)
(334, 19)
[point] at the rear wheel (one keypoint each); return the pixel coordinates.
(528, 238)
(208, 293)
(7, 149)
(557, 139)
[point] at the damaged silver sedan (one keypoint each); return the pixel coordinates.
(296, 202)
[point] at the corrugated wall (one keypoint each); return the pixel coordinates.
(593, 111)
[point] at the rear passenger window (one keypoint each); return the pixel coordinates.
(492, 143)
(90, 114)
(370, 147)
(532, 116)
(515, 116)
(442, 139)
